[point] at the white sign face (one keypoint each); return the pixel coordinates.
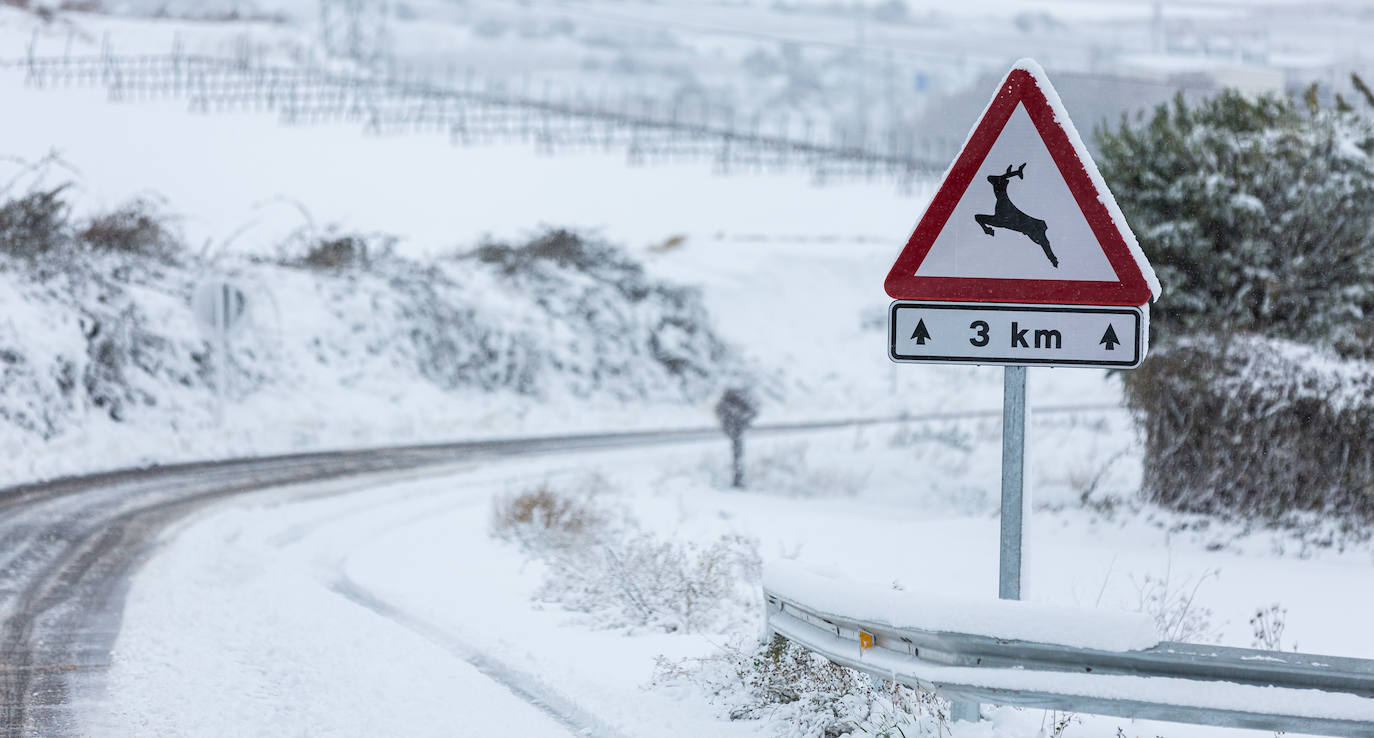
(989, 233)
(1023, 215)
(1017, 335)
(219, 307)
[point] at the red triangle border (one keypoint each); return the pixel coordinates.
(1020, 86)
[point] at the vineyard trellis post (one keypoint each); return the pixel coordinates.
(393, 98)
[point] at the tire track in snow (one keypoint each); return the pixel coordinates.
(522, 684)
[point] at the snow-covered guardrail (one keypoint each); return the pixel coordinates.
(1029, 655)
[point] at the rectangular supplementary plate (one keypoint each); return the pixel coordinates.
(1017, 335)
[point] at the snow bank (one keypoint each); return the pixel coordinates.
(832, 592)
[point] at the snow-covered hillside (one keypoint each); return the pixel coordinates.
(315, 368)
(342, 348)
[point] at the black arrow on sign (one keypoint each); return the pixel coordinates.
(920, 334)
(1110, 338)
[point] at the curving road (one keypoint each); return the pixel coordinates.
(68, 547)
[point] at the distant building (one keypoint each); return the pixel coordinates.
(1092, 99)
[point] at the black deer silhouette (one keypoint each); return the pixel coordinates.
(1007, 215)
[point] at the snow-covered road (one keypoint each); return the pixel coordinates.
(70, 547)
(278, 614)
(249, 625)
(385, 608)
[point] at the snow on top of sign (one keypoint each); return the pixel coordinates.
(1104, 195)
(834, 593)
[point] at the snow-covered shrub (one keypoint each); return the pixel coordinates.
(623, 316)
(102, 351)
(36, 222)
(79, 337)
(805, 696)
(638, 580)
(456, 341)
(337, 253)
(1257, 214)
(544, 518)
(333, 249)
(1254, 427)
(136, 227)
(598, 561)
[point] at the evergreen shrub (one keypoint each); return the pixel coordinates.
(1257, 214)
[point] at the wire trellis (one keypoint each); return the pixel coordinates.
(396, 102)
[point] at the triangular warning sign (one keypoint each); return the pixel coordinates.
(1023, 215)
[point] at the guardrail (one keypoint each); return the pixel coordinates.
(1178, 682)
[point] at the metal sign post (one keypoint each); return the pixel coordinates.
(1015, 505)
(1015, 501)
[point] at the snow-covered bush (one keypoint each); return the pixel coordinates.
(544, 518)
(597, 285)
(598, 561)
(82, 336)
(805, 695)
(1257, 214)
(1254, 427)
(638, 580)
(332, 249)
(36, 222)
(337, 252)
(136, 227)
